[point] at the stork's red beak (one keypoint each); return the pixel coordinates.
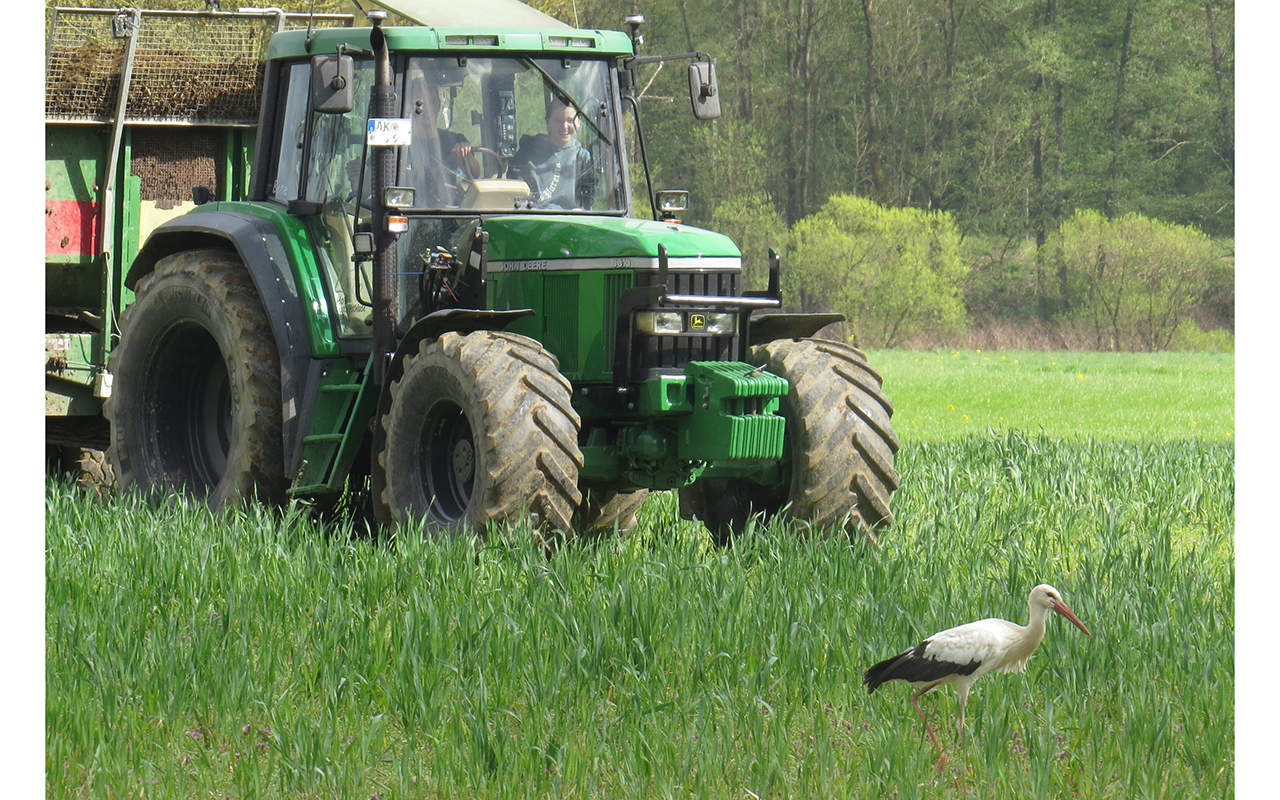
(1062, 609)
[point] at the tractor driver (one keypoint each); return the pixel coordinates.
(439, 160)
(558, 169)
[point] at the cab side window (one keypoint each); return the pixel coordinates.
(295, 80)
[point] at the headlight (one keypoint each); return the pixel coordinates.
(659, 322)
(398, 197)
(720, 322)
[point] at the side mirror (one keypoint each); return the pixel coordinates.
(333, 84)
(703, 90)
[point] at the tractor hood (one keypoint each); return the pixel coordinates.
(519, 243)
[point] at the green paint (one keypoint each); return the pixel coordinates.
(666, 394)
(718, 417)
(734, 415)
(576, 309)
(342, 408)
(293, 44)
(306, 268)
(533, 237)
(575, 315)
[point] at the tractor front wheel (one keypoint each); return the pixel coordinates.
(841, 444)
(839, 461)
(480, 430)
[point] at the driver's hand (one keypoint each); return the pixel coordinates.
(462, 149)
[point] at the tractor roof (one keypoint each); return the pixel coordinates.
(475, 13)
(479, 26)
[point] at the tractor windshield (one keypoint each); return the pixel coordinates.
(511, 134)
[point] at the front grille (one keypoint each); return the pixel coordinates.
(713, 284)
(665, 354)
(614, 285)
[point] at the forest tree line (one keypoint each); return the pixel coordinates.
(1069, 164)
(1058, 171)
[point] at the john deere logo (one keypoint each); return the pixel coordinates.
(698, 321)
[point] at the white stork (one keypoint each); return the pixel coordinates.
(961, 655)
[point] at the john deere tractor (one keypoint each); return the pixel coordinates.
(430, 270)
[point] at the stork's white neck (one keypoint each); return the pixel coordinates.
(1035, 625)
(1027, 639)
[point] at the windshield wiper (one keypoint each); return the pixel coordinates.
(563, 96)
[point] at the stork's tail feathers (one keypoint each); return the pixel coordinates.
(883, 671)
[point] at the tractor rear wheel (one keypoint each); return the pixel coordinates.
(196, 405)
(839, 462)
(481, 430)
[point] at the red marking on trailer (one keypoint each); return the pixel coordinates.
(71, 227)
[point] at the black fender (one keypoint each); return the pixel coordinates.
(259, 245)
(766, 328)
(456, 320)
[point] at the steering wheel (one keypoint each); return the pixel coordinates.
(502, 165)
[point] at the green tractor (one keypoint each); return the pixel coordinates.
(436, 279)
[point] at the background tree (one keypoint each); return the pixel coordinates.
(1139, 277)
(893, 272)
(1009, 115)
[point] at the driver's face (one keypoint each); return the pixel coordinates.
(562, 124)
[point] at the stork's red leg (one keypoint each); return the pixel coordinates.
(915, 701)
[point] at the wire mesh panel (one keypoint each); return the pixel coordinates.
(169, 161)
(198, 69)
(84, 63)
(188, 67)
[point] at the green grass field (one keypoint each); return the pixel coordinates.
(256, 654)
(943, 394)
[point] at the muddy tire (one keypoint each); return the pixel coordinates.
(196, 406)
(601, 513)
(481, 430)
(88, 468)
(724, 505)
(840, 471)
(93, 472)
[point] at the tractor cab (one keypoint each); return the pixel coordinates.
(472, 137)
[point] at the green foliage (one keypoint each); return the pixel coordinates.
(1217, 308)
(756, 226)
(1138, 278)
(1000, 112)
(1191, 337)
(1004, 280)
(894, 272)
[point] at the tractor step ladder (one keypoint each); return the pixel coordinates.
(330, 446)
